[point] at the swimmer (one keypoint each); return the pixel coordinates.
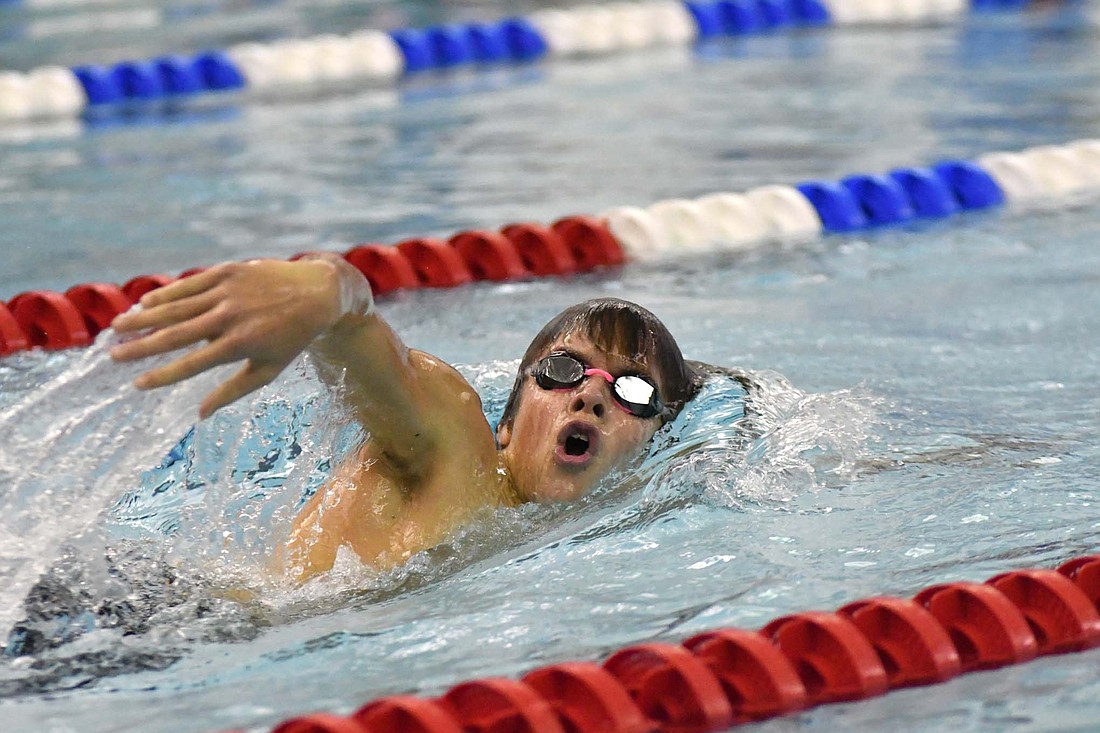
(592, 389)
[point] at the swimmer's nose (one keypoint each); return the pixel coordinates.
(591, 396)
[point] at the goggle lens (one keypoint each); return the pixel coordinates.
(634, 390)
(559, 372)
(636, 395)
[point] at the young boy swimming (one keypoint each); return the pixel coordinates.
(592, 389)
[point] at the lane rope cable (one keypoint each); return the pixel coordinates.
(1050, 175)
(379, 57)
(722, 678)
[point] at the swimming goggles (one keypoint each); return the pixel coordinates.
(634, 394)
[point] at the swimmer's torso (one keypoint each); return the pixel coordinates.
(384, 511)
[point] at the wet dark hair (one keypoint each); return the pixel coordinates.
(617, 327)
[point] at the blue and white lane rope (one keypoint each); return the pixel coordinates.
(1050, 175)
(377, 57)
(739, 221)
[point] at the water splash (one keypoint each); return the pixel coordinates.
(754, 448)
(130, 533)
(803, 442)
(132, 522)
(68, 445)
(760, 447)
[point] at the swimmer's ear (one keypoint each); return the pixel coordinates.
(504, 434)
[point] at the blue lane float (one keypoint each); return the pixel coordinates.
(489, 43)
(100, 85)
(741, 17)
(811, 12)
(523, 40)
(855, 203)
(882, 199)
(928, 194)
(143, 81)
(442, 47)
(973, 187)
(178, 75)
(838, 209)
(904, 194)
(708, 19)
(671, 228)
(376, 56)
(416, 48)
(777, 13)
(138, 80)
(217, 71)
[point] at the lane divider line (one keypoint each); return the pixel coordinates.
(680, 227)
(378, 57)
(725, 677)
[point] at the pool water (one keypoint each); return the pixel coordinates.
(927, 408)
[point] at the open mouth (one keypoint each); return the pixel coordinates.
(577, 444)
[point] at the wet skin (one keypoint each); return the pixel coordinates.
(534, 447)
(431, 462)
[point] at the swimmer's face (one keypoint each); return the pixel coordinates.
(563, 441)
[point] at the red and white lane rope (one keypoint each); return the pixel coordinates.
(673, 228)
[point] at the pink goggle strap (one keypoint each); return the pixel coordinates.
(606, 375)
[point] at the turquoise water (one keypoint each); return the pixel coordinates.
(928, 409)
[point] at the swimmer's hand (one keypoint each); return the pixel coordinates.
(262, 312)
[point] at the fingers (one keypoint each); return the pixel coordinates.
(248, 379)
(166, 314)
(184, 288)
(177, 291)
(202, 327)
(218, 353)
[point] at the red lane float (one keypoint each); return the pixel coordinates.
(1060, 615)
(386, 268)
(321, 723)
(759, 680)
(832, 656)
(143, 284)
(541, 249)
(517, 251)
(590, 242)
(912, 645)
(988, 630)
(673, 688)
(99, 303)
(1085, 573)
(406, 714)
(49, 320)
(729, 676)
(436, 264)
(12, 336)
(588, 699)
(489, 256)
(500, 704)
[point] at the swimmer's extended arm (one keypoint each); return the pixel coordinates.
(266, 312)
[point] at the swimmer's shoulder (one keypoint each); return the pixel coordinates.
(454, 406)
(443, 382)
(463, 453)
